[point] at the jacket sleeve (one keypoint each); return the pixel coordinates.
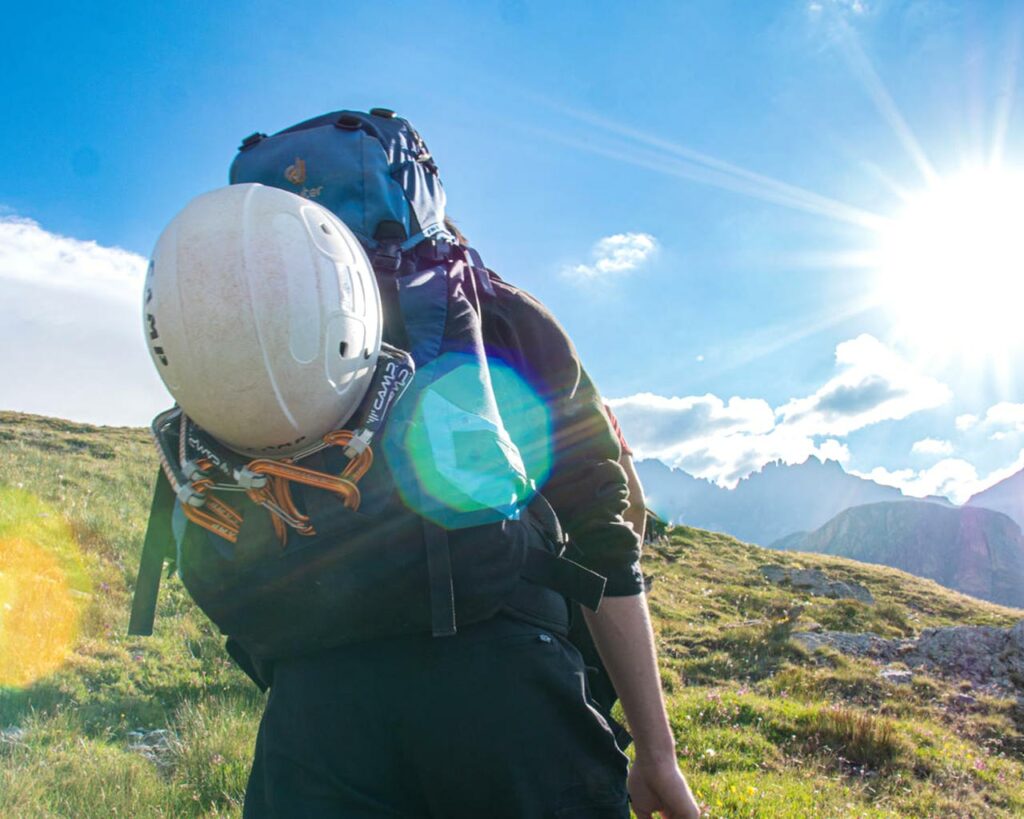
(586, 486)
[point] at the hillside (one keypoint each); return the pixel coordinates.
(769, 504)
(975, 551)
(1007, 497)
(96, 724)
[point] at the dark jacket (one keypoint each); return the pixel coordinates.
(585, 485)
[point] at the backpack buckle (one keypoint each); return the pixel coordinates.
(387, 258)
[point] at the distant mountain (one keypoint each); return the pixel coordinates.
(976, 551)
(777, 501)
(1007, 497)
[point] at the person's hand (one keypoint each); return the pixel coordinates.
(659, 787)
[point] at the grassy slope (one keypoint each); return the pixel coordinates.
(763, 729)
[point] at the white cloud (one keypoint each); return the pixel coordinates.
(874, 384)
(833, 450)
(952, 477)
(665, 422)
(37, 257)
(966, 421)
(70, 312)
(727, 440)
(620, 253)
(855, 8)
(1006, 414)
(932, 446)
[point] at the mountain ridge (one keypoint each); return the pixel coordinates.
(776, 501)
(1006, 496)
(973, 550)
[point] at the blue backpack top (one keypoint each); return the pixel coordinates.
(373, 171)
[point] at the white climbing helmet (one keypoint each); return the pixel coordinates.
(263, 318)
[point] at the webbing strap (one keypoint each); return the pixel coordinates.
(157, 546)
(439, 572)
(564, 576)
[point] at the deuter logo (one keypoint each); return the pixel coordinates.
(296, 173)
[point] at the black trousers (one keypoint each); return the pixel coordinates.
(493, 722)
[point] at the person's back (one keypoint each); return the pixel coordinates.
(380, 715)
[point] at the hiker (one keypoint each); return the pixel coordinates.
(415, 637)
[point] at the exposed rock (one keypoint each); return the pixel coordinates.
(983, 655)
(859, 645)
(899, 676)
(963, 700)
(12, 735)
(817, 583)
(157, 745)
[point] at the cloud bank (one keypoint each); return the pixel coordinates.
(954, 478)
(725, 440)
(31, 255)
(71, 329)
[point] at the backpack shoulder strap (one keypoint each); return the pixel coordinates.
(157, 547)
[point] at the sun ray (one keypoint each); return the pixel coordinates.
(696, 167)
(767, 341)
(1007, 93)
(863, 69)
(759, 185)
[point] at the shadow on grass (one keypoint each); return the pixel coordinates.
(748, 653)
(98, 709)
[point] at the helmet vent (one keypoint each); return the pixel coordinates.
(343, 348)
(325, 228)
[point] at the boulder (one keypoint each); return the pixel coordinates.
(983, 655)
(817, 583)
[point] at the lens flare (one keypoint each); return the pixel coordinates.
(526, 418)
(462, 459)
(43, 589)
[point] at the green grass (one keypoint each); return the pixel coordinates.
(763, 727)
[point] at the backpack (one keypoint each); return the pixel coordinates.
(448, 527)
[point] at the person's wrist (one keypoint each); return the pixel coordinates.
(656, 754)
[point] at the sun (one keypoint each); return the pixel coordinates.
(950, 266)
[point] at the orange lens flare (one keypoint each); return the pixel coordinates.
(43, 588)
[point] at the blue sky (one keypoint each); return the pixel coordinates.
(684, 184)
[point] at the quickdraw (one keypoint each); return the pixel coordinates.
(266, 481)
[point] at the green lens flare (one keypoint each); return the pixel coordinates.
(470, 442)
(527, 420)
